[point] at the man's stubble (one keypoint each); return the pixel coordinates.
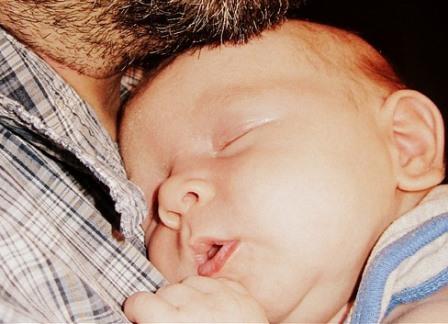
(101, 37)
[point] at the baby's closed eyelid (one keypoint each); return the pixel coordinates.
(228, 135)
(225, 143)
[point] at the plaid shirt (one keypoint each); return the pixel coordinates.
(62, 185)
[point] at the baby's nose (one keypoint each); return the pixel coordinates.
(178, 196)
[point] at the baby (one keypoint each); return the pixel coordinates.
(292, 179)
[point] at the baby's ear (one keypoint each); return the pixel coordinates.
(418, 140)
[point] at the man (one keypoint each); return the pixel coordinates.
(70, 237)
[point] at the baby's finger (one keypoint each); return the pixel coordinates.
(144, 307)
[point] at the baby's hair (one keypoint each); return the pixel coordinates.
(333, 50)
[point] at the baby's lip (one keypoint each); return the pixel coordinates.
(211, 255)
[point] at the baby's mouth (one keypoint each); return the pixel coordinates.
(210, 257)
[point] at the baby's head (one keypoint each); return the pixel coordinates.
(279, 163)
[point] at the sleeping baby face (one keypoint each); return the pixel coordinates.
(261, 169)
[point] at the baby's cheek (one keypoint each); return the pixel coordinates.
(163, 252)
(148, 225)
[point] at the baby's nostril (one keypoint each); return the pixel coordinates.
(190, 197)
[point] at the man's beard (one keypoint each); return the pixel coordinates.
(175, 25)
(102, 37)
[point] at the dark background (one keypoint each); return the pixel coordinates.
(411, 34)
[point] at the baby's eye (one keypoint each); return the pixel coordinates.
(233, 140)
(235, 144)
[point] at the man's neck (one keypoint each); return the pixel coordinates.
(103, 95)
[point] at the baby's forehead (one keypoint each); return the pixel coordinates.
(304, 48)
(296, 53)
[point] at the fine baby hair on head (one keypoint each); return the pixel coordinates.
(334, 50)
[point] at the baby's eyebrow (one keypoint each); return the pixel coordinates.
(227, 95)
(235, 92)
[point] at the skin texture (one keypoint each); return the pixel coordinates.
(281, 152)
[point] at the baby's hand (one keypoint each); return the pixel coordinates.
(196, 300)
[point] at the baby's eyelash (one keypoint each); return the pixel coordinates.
(228, 138)
(232, 140)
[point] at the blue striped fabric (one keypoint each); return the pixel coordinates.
(62, 186)
(372, 288)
